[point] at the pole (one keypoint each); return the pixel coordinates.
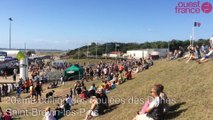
(96, 50)
(10, 22)
(193, 33)
(106, 51)
(25, 47)
(115, 51)
(78, 53)
(87, 50)
(168, 47)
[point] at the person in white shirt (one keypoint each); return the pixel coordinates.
(69, 100)
(48, 115)
(62, 80)
(206, 57)
(211, 41)
(155, 104)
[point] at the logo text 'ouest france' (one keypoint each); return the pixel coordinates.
(193, 7)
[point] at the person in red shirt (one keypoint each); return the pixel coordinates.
(7, 115)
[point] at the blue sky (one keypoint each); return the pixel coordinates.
(67, 24)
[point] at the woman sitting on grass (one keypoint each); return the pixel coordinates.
(192, 56)
(48, 114)
(152, 110)
(94, 109)
(206, 57)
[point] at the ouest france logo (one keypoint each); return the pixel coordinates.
(195, 7)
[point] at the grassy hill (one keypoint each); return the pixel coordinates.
(189, 87)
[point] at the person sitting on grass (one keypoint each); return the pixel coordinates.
(94, 109)
(192, 56)
(128, 75)
(48, 114)
(7, 115)
(84, 93)
(49, 94)
(113, 85)
(154, 109)
(69, 100)
(58, 112)
(206, 57)
(164, 98)
(103, 100)
(92, 89)
(53, 85)
(65, 106)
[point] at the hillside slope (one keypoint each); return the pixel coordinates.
(189, 87)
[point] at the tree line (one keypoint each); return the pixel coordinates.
(100, 49)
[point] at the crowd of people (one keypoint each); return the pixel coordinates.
(111, 74)
(201, 54)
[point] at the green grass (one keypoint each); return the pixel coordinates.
(189, 87)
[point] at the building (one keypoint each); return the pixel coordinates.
(144, 53)
(113, 54)
(11, 53)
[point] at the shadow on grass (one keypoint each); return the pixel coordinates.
(111, 108)
(174, 111)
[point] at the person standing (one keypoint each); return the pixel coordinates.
(6, 90)
(14, 74)
(38, 90)
(0, 94)
(211, 41)
(62, 80)
(5, 73)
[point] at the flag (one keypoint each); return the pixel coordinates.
(10, 19)
(197, 24)
(20, 56)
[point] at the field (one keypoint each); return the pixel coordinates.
(188, 86)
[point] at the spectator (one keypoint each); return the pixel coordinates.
(192, 53)
(206, 57)
(102, 100)
(14, 74)
(50, 94)
(48, 114)
(62, 80)
(38, 90)
(94, 109)
(18, 92)
(0, 93)
(58, 112)
(69, 100)
(92, 89)
(154, 110)
(1, 114)
(65, 106)
(211, 41)
(8, 115)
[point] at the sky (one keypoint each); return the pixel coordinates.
(68, 24)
